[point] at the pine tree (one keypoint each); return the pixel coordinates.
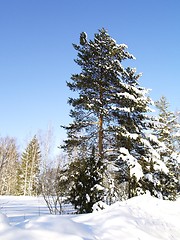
(177, 131)
(30, 168)
(110, 112)
(167, 133)
(177, 145)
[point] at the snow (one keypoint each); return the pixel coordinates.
(176, 156)
(126, 95)
(124, 150)
(161, 166)
(177, 134)
(139, 218)
(135, 167)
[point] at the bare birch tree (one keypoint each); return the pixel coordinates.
(8, 166)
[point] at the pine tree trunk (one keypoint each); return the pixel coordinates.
(100, 132)
(31, 180)
(100, 140)
(25, 180)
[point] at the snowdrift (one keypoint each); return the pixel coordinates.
(140, 218)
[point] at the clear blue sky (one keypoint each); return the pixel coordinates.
(36, 54)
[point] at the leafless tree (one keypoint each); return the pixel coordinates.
(8, 165)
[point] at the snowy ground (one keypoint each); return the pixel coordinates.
(140, 218)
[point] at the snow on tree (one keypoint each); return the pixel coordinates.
(166, 132)
(110, 113)
(30, 168)
(86, 183)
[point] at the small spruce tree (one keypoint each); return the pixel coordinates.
(30, 168)
(167, 133)
(86, 183)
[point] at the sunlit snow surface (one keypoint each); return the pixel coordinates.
(140, 218)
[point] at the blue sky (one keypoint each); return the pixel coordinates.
(36, 54)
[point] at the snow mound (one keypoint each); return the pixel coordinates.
(4, 223)
(140, 218)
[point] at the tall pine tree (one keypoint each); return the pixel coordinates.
(110, 113)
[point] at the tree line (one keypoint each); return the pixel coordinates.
(19, 173)
(116, 148)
